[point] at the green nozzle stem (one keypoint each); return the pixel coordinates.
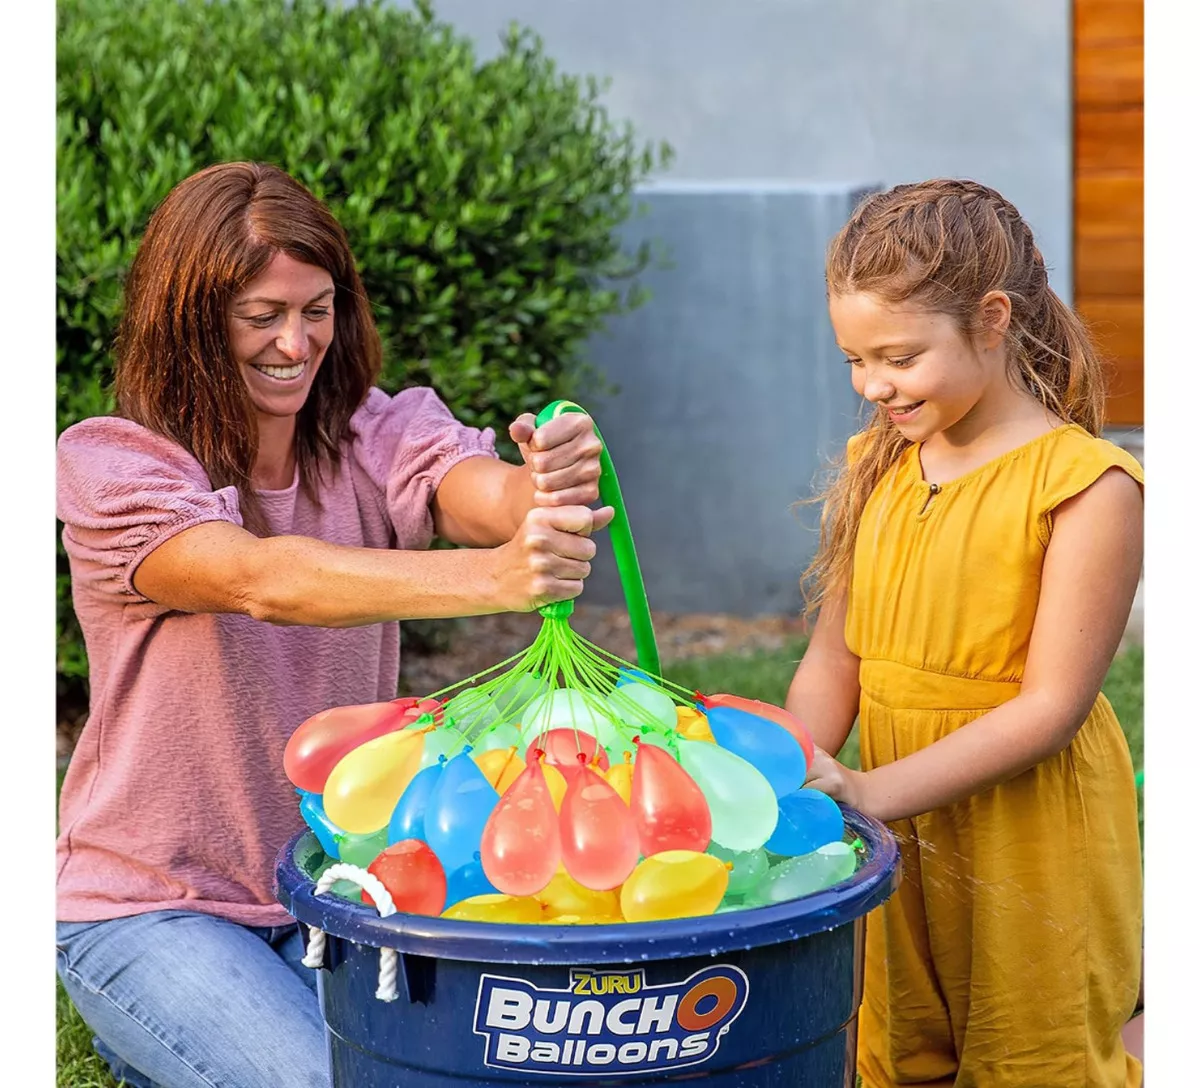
(623, 550)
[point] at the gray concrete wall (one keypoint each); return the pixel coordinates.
(831, 91)
(732, 396)
(731, 390)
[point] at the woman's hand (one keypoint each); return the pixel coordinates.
(549, 557)
(563, 456)
(842, 783)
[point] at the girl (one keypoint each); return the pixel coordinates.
(243, 537)
(979, 554)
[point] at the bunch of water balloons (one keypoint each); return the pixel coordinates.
(565, 785)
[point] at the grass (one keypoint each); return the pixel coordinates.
(763, 675)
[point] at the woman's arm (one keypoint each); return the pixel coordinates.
(481, 502)
(1089, 579)
(220, 567)
(824, 692)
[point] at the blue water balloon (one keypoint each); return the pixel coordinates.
(633, 676)
(762, 743)
(408, 817)
(468, 881)
(459, 805)
(312, 808)
(808, 820)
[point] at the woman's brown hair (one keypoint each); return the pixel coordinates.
(175, 373)
(943, 245)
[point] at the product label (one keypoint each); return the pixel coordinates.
(607, 1022)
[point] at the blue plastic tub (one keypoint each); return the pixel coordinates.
(751, 998)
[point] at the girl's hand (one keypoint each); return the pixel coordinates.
(842, 783)
(563, 456)
(548, 558)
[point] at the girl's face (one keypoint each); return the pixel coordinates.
(913, 362)
(280, 326)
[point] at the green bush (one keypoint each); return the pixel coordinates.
(480, 198)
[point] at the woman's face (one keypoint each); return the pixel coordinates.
(280, 326)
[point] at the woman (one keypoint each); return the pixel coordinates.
(244, 536)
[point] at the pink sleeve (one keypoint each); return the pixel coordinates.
(406, 444)
(123, 491)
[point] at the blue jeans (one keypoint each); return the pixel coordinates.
(185, 1000)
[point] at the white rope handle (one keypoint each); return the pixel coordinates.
(315, 955)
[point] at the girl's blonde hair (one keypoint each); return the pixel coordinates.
(943, 245)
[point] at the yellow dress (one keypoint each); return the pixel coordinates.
(1010, 954)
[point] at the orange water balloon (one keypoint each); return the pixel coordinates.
(319, 742)
(563, 747)
(669, 808)
(413, 877)
(521, 846)
(599, 836)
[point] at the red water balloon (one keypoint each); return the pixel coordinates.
(521, 847)
(772, 713)
(563, 747)
(599, 836)
(667, 806)
(413, 877)
(319, 742)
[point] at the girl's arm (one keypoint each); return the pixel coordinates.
(824, 692)
(220, 567)
(1090, 575)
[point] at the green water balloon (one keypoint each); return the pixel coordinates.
(806, 874)
(743, 806)
(446, 741)
(562, 708)
(637, 703)
(472, 711)
(514, 693)
(361, 850)
(749, 867)
(504, 735)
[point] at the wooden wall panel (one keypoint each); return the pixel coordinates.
(1109, 198)
(1108, 266)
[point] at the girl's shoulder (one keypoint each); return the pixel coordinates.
(1072, 458)
(1067, 464)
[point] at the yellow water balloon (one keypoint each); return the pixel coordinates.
(362, 789)
(692, 724)
(513, 909)
(674, 884)
(583, 920)
(620, 777)
(565, 895)
(500, 766)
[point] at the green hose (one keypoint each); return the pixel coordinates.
(623, 550)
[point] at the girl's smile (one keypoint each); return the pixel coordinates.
(916, 364)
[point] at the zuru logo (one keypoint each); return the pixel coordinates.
(609, 1022)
